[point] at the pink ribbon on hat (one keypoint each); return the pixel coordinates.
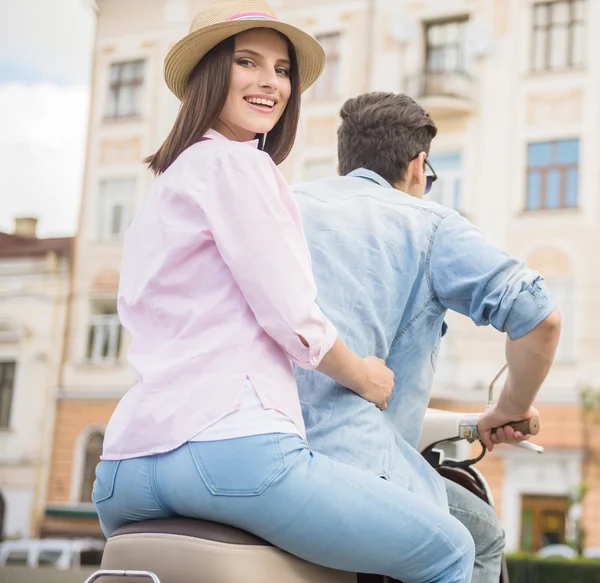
(251, 16)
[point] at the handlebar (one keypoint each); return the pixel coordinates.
(527, 427)
(469, 430)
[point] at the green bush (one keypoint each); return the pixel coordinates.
(529, 569)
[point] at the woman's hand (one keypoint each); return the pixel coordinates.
(378, 382)
(368, 377)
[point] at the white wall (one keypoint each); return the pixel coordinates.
(18, 505)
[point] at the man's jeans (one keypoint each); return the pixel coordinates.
(483, 524)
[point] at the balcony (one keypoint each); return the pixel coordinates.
(442, 93)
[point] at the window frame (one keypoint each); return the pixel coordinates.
(79, 460)
(103, 327)
(546, 30)
(460, 44)
(136, 84)
(88, 467)
(327, 86)
(5, 417)
(543, 171)
(107, 201)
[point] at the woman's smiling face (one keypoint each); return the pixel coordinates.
(260, 86)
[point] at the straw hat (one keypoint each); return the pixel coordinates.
(224, 18)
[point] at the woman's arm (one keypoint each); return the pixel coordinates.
(257, 228)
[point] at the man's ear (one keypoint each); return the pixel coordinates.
(338, 170)
(418, 168)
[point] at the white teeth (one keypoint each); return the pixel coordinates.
(259, 101)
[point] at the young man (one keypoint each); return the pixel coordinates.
(388, 266)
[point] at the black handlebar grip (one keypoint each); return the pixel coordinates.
(527, 427)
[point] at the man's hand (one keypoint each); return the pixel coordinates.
(494, 419)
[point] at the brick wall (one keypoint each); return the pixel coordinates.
(72, 417)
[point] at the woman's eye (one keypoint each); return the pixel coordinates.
(245, 62)
(282, 71)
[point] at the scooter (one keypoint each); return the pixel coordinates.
(182, 550)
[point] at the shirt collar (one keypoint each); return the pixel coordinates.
(370, 175)
(215, 135)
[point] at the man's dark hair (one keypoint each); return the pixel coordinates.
(383, 132)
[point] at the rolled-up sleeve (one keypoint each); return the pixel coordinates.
(471, 275)
(257, 229)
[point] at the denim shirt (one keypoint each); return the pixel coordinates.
(388, 266)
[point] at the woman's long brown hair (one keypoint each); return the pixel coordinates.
(204, 98)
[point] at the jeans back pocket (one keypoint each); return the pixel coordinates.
(243, 466)
(104, 484)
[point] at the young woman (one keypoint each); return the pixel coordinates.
(217, 293)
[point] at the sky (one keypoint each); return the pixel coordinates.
(45, 58)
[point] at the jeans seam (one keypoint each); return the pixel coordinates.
(154, 486)
(111, 488)
(201, 470)
(415, 317)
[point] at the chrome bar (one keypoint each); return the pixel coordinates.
(490, 401)
(119, 573)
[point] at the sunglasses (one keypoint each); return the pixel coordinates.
(431, 178)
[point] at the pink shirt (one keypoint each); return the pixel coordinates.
(216, 287)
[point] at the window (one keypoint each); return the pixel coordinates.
(445, 52)
(115, 205)
(558, 39)
(125, 90)
(552, 175)
(446, 189)
(543, 521)
(104, 338)
(7, 382)
(447, 62)
(93, 450)
(328, 84)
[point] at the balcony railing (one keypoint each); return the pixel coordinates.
(442, 90)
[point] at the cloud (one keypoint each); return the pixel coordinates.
(46, 40)
(42, 149)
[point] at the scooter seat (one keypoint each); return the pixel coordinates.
(182, 550)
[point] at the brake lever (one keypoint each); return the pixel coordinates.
(529, 446)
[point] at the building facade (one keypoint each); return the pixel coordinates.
(34, 294)
(513, 86)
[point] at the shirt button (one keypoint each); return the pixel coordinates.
(315, 359)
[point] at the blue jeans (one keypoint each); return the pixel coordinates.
(482, 522)
(306, 503)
